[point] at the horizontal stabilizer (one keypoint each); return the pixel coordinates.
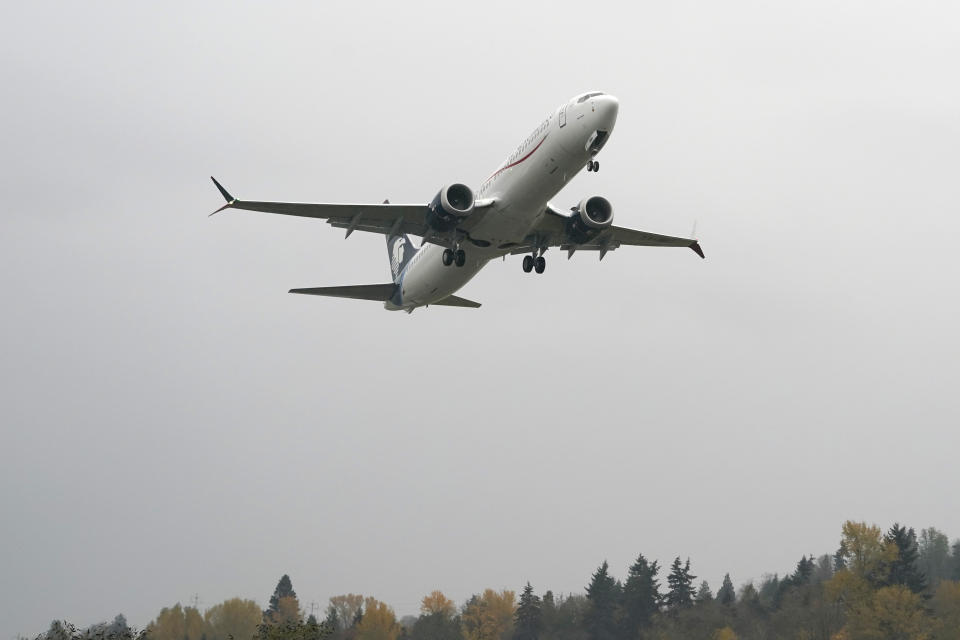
(378, 292)
(454, 301)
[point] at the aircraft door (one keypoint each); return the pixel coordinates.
(562, 119)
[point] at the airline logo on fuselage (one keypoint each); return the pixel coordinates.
(397, 254)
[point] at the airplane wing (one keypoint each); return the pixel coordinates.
(383, 218)
(552, 230)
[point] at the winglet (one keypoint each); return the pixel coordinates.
(697, 250)
(226, 196)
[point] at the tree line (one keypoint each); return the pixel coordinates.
(876, 586)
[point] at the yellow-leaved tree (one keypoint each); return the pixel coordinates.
(343, 610)
(874, 611)
(946, 608)
(893, 613)
(288, 611)
(378, 623)
(868, 554)
(726, 633)
(177, 623)
(437, 603)
(489, 616)
(236, 618)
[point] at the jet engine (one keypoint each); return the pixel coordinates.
(595, 212)
(453, 203)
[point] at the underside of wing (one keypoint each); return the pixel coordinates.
(455, 301)
(377, 292)
(556, 229)
(385, 218)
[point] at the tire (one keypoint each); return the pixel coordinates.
(596, 165)
(447, 257)
(527, 264)
(460, 257)
(540, 264)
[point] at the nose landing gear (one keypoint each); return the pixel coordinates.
(593, 165)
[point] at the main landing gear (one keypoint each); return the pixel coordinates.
(538, 264)
(458, 257)
(593, 165)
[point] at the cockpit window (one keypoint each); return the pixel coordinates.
(587, 96)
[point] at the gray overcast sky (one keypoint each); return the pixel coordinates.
(173, 422)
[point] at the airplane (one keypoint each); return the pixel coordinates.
(510, 214)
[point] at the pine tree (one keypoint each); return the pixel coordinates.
(704, 594)
(284, 590)
(727, 595)
(955, 558)
(333, 619)
(529, 617)
(602, 596)
(840, 557)
(680, 582)
(905, 569)
(641, 596)
(802, 573)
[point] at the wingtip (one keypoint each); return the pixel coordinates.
(697, 250)
(226, 194)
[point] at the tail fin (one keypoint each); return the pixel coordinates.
(400, 250)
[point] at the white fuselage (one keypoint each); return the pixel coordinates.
(520, 189)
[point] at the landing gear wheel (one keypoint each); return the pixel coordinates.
(540, 264)
(527, 264)
(590, 166)
(460, 257)
(447, 257)
(596, 165)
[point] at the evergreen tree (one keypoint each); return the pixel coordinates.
(333, 619)
(727, 595)
(934, 556)
(680, 583)
(529, 617)
(548, 612)
(802, 573)
(840, 557)
(436, 626)
(641, 596)
(602, 596)
(905, 569)
(284, 590)
(358, 618)
(955, 559)
(704, 594)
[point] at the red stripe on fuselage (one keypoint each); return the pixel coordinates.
(513, 164)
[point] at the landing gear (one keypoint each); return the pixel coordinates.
(458, 257)
(538, 264)
(593, 165)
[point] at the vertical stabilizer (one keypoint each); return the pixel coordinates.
(400, 250)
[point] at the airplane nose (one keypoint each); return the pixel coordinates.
(607, 107)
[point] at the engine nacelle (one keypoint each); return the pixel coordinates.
(453, 203)
(595, 212)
